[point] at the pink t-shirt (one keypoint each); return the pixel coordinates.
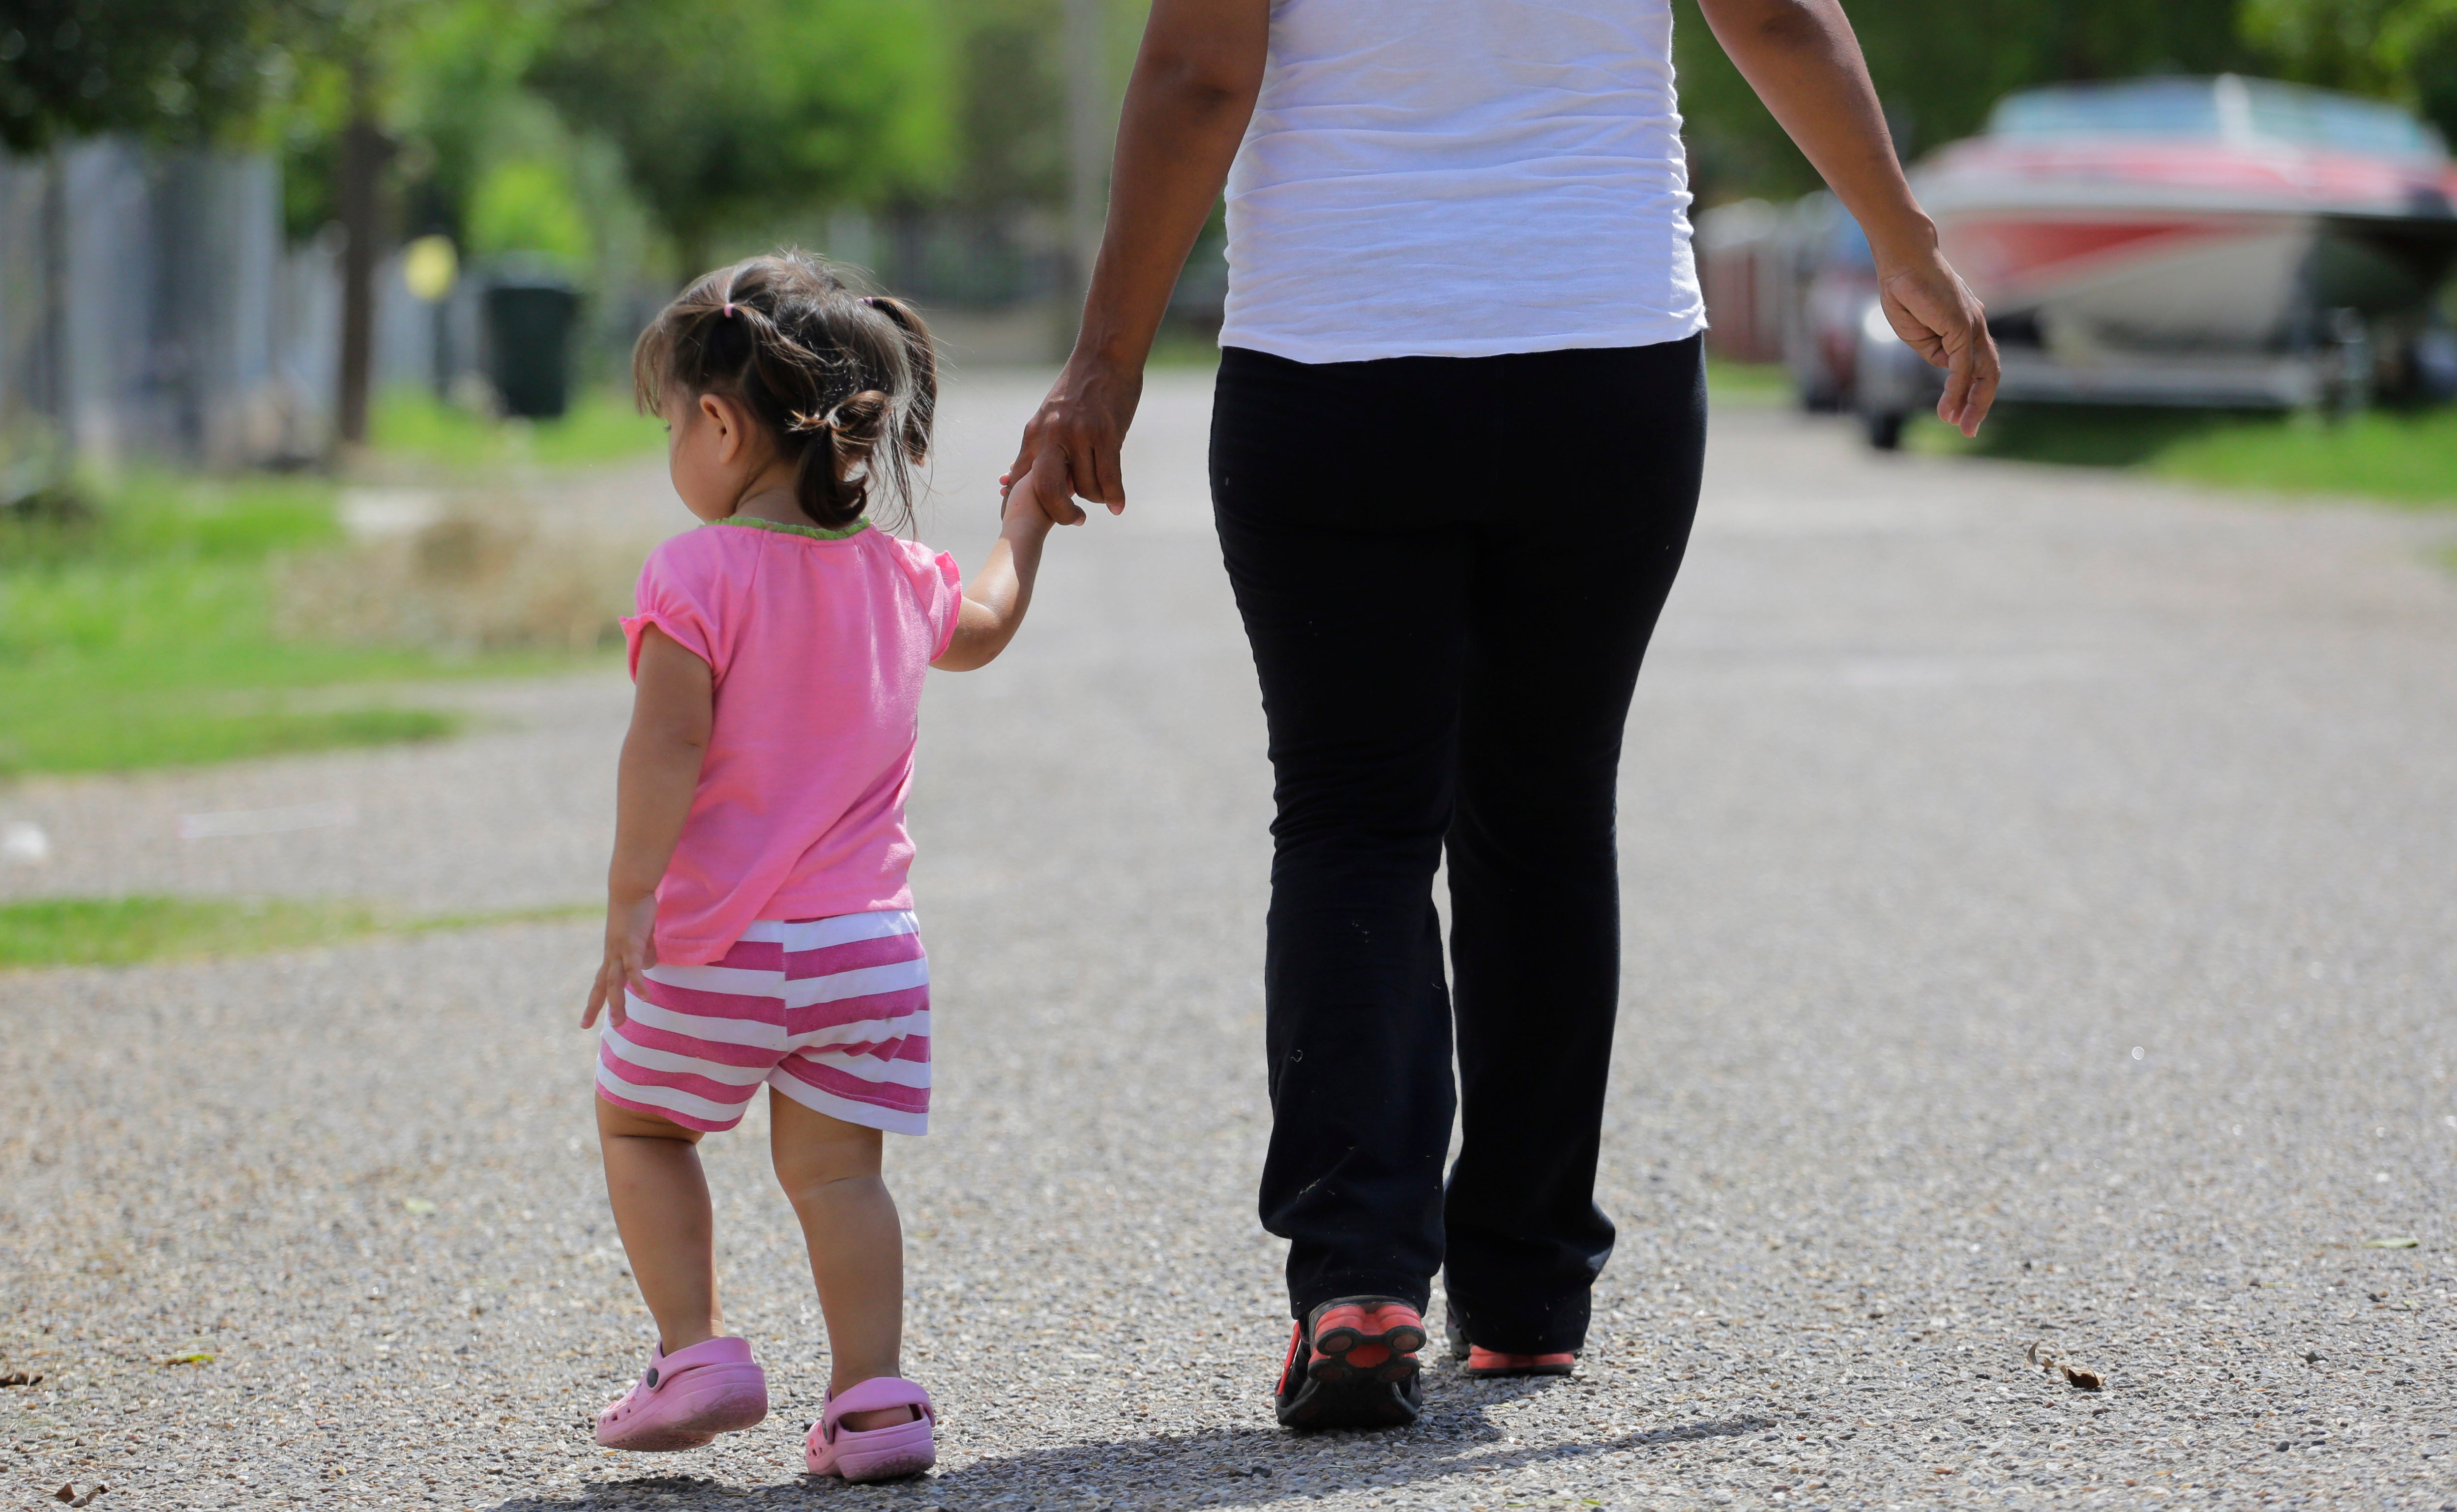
(817, 640)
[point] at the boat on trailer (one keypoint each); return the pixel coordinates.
(2220, 241)
(2226, 241)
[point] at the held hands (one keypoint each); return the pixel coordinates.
(631, 948)
(1070, 446)
(1938, 316)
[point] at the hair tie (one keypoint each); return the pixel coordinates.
(729, 309)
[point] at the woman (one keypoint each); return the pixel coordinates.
(1454, 455)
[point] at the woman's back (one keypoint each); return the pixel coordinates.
(1461, 178)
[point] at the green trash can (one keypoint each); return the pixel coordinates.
(530, 319)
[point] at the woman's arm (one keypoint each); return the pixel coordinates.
(671, 710)
(997, 595)
(1186, 106)
(1801, 58)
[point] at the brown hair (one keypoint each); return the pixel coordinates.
(846, 383)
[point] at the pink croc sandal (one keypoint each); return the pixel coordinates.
(873, 1454)
(686, 1398)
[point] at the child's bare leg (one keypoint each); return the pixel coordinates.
(661, 1207)
(830, 1170)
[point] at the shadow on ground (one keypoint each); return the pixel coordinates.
(1231, 1467)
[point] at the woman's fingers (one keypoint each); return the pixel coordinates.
(1113, 475)
(1987, 370)
(1970, 379)
(1048, 479)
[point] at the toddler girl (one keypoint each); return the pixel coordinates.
(758, 929)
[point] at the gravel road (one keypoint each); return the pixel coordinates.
(2038, 914)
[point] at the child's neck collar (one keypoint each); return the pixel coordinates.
(792, 528)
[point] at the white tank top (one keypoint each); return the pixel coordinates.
(1461, 178)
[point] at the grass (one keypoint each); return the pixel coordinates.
(2401, 458)
(138, 632)
(601, 426)
(1751, 382)
(123, 932)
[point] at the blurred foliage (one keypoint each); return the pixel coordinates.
(2368, 46)
(2401, 50)
(174, 70)
(1010, 105)
(602, 425)
(727, 110)
(526, 205)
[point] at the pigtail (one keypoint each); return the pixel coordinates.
(922, 409)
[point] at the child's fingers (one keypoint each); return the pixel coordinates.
(596, 999)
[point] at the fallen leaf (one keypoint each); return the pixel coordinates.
(2406, 1244)
(417, 1207)
(66, 1493)
(190, 1359)
(18, 1378)
(2086, 1379)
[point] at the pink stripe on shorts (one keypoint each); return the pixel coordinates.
(834, 1013)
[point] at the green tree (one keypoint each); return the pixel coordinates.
(178, 70)
(1011, 112)
(2400, 50)
(727, 110)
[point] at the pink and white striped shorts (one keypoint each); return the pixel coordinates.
(834, 1013)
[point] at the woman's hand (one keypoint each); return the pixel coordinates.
(1070, 446)
(631, 948)
(1938, 316)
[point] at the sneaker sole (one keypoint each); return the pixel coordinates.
(1366, 1404)
(1517, 1372)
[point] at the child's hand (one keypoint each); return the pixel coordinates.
(631, 948)
(1020, 504)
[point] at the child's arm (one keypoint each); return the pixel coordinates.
(997, 595)
(670, 711)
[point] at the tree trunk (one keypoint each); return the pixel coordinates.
(365, 152)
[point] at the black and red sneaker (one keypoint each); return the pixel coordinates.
(1352, 1364)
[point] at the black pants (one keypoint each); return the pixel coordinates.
(1449, 568)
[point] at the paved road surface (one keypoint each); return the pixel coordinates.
(2039, 902)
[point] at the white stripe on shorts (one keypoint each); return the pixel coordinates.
(862, 981)
(869, 1114)
(817, 934)
(672, 1098)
